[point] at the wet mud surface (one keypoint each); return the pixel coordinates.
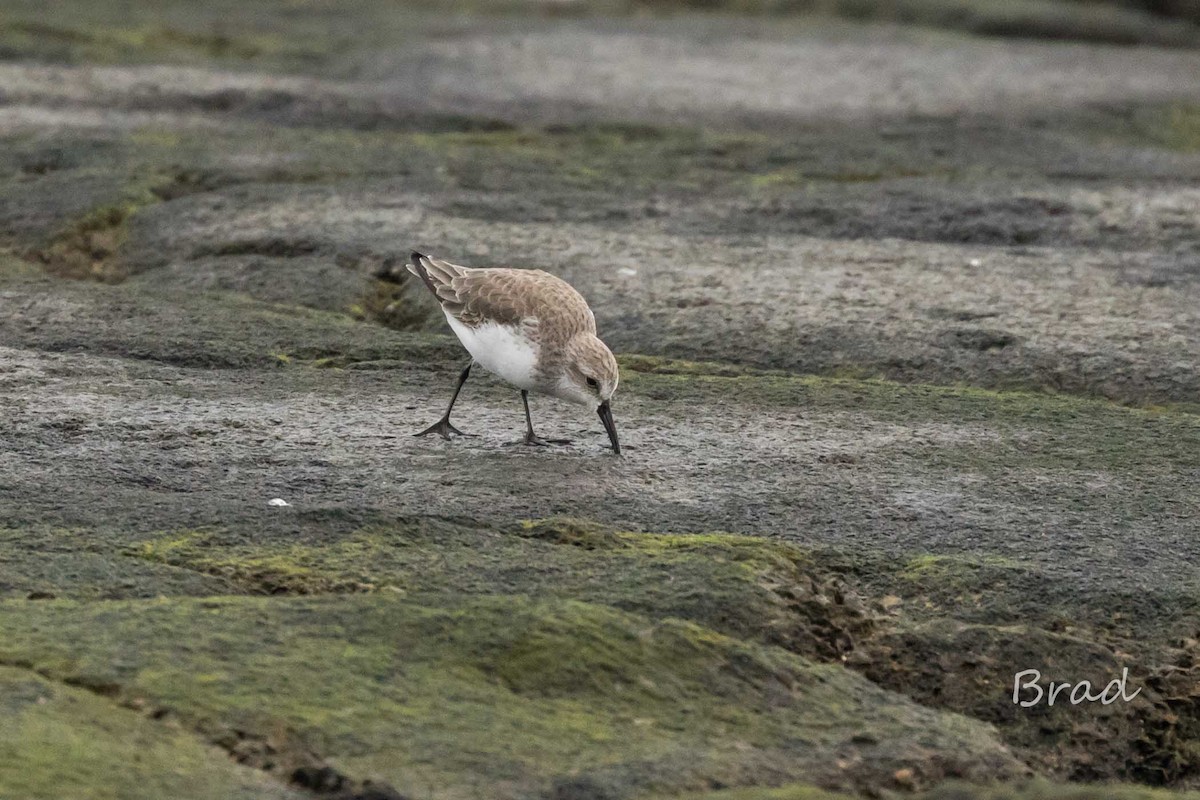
(910, 347)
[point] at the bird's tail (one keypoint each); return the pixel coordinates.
(435, 273)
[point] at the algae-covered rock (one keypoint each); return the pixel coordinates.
(39, 563)
(434, 698)
(952, 636)
(1027, 790)
(745, 587)
(59, 741)
(1146, 735)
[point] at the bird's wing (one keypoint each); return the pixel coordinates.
(437, 275)
(505, 296)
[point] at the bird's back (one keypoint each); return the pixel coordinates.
(505, 296)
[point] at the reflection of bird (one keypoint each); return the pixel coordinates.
(529, 328)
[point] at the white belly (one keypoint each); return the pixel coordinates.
(500, 349)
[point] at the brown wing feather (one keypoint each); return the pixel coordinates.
(513, 296)
(506, 296)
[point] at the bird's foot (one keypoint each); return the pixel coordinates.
(533, 440)
(442, 428)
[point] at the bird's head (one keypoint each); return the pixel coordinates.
(590, 378)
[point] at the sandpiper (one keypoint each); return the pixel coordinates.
(529, 328)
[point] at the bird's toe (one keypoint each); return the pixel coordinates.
(442, 428)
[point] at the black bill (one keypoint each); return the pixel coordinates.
(606, 417)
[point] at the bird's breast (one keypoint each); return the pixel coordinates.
(502, 350)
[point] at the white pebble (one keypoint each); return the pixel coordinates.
(278, 502)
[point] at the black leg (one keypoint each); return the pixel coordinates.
(443, 427)
(530, 436)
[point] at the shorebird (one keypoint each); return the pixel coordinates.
(530, 329)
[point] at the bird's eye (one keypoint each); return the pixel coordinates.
(592, 382)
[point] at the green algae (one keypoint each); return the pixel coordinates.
(1024, 790)
(1041, 19)
(552, 163)
(745, 587)
(222, 330)
(1173, 126)
(978, 588)
(658, 365)
(120, 44)
(1182, 129)
(292, 569)
(508, 691)
(753, 589)
(58, 741)
(1036, 430)
(36, 562)
(106, 33)
(946, 638)
(89, 247)
(615, 160)
(961, 573)
(293, 35)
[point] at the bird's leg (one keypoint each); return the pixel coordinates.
(530, 436)
(443, 427)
